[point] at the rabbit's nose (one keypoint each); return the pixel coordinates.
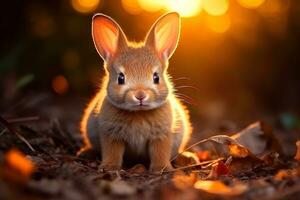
(140, 95)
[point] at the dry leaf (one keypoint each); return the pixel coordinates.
(297, 156)
(258, 137)
(218, 169)
(238, 151)
(235, 149)
(217, 187)
(17, 167)
(238, 165)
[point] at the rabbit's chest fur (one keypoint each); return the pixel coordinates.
(135, 128)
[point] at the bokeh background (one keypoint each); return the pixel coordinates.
(237, 60)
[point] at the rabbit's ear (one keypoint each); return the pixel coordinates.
(164, 35)
(107, 35)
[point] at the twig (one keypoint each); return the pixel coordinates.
(206, 163)
(12, 130)
(3, 131)
(23, 119)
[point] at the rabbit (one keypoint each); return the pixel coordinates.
(136, 114)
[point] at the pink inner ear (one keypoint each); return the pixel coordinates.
(166, 36)
(105, 36)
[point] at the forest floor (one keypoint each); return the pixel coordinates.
(38, 161)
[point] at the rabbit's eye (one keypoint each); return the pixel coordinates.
(155, 78)
(121, 79)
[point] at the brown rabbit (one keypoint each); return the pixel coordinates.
(136, 113)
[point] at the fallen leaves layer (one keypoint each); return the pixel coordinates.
(228, 169)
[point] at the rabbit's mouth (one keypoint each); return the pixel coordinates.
(142, 106)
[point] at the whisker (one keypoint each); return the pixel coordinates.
(186, 96)
(181, 78)
(184, 99)
(187, 102)
(187, 86)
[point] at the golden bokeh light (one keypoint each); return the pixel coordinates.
(85, 6)
(60, 84)
(70, 59)
(186, 8)
(251, 3)
(273, 8)
(152, 5)
(132, 6)
(218, 24)
(18, 162)
(215, 7)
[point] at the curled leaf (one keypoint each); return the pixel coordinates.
(235, 149)
(258, 137)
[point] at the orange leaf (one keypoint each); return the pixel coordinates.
(217, 187)
(238, 151)
(235, 149)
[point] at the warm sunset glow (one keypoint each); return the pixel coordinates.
(251, 3)
(151, 5)
(186, 8)
(215, 7)
(60, 84)
(218, 24)
(85, 6)
(131, 6)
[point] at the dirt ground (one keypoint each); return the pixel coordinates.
(40, 138)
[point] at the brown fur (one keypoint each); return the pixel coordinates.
(115, 125)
